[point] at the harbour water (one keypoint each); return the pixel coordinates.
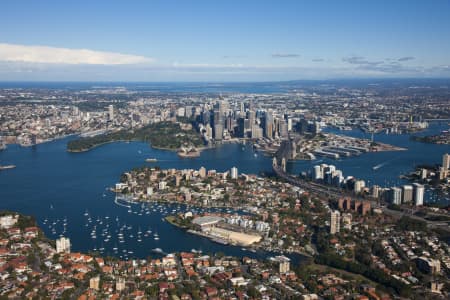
(388, 165)
(58, 188)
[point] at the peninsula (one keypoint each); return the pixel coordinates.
(162, 135)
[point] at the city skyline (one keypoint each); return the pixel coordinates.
(226, 41)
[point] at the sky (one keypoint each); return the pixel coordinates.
(209, 41)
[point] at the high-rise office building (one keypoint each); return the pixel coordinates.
(241, 109)
(289, 124)
(257, 132)
(111, 112)
(283, 129)
(268, 125)
(206, 117)
(218, 132)
(218, 123)
(251, 116)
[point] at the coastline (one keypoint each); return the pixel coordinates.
(150, 145)
(252, 248)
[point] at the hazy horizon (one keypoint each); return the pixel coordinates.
(204, 41)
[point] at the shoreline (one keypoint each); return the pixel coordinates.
(251, 248)
(180, 203)
(129, 141)
(93, 147)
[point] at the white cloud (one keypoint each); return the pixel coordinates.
(53, 55)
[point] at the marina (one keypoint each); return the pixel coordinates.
(76, 200)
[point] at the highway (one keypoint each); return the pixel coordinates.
(336, 193)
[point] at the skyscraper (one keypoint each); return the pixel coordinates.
(242, 109)
(218, 125)
(111, 112)
(268, 125)
(251, 116)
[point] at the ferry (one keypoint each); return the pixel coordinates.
(151, 160)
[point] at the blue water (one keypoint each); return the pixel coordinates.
(393, 163)
(238, 87)
(50, 183)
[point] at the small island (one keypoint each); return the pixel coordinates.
(162, 135)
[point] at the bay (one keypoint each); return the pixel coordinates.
(54, 185)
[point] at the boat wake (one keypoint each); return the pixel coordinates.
(158, 250)
(382, 164)
(116, 201)
(378, 166)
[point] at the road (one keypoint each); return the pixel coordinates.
(336, 193)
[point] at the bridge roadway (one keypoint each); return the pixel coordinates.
(335, 193)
